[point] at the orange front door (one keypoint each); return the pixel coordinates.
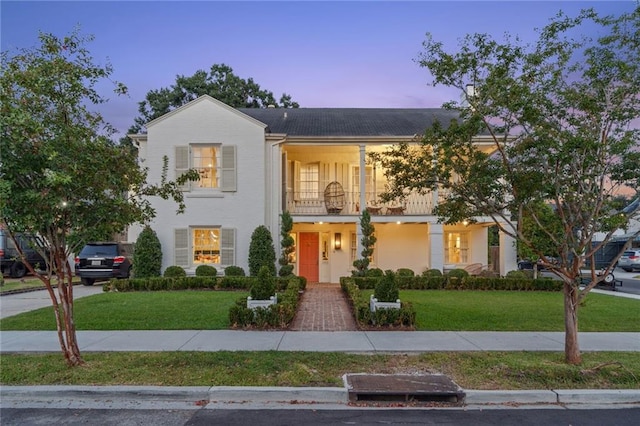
(309, 255)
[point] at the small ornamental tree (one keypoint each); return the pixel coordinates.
(368, 240)
(147, 257)
(265, 285)
(287, 243)
(261, 251)
(61, 176)
(386, 289)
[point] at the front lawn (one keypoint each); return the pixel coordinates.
(161, 310)
(442, 310)
(438, 310)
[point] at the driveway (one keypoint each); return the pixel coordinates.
(13, 304)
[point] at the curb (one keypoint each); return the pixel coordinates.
(198, 396)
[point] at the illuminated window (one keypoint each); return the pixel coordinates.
(206, 245)
(205, 161)
(456, 247)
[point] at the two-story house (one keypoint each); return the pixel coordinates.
(256, 163)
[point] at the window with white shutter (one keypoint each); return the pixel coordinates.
(181, 247)
(228, 168)
(228, 246)
(182, 165)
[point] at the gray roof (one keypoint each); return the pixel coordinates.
(349, 121)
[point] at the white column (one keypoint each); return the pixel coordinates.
(363, 198)
(508, 254)
(436, 246)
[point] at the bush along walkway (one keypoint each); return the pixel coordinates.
(323, 307)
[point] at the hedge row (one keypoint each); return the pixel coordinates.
(279, 315)
(403, 317)
(195, 283)
(467, 283)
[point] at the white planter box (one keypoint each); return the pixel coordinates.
(374, 304)
(253, 304)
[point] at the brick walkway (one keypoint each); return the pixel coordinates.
(323, 307)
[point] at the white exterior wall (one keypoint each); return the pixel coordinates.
(402, 246)
(208, 121)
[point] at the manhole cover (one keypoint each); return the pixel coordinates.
(403, 387)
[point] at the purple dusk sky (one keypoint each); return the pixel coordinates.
(324, 54)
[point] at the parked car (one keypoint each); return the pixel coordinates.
(10, 262)
(528, 264)
(630, 260)
(101, 261)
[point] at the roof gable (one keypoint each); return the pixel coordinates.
(205, 98)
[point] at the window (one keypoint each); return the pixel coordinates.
(216, 166)
(205, 161)
(309, 181)
(369, 187)
(204, 245)
(456, 247)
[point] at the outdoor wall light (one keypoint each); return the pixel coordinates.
(337, 241)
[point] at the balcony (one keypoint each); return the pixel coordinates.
(313, 204)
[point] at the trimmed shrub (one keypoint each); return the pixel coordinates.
(432, 273)
(264, 287)
(234, 271)
(279, 315)
(516, 275)
(387, 289)
(405, 272)
(175, 272)
(147, 256)
(206, 271)
(261, 251)
(457, 273)
(375, 272)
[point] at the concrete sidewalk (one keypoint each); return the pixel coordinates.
(315, 341)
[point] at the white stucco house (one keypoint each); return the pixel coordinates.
(256, 163)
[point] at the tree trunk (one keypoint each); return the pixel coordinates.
(63, 311)
(571, 346)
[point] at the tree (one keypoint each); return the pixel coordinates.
(220, 82)
(147, 257)
(368, 240)
(62, 178)
(261, 251)
(287, 244)
(556, 123)
(538, 222)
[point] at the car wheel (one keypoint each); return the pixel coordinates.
(87, 281)
(18, 270)
(609, 278)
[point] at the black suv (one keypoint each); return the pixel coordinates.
(102, 261)
(10, 262)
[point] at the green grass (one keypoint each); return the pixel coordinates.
(25, 283)
(470, 370)
(436, 310)
(178, 310)
(518, 311)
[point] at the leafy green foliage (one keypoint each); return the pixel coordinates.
(175, 272)
(457, 273)
(375, 272)
(557, 124)
(405, 272)
(147, 257)
(261, 251)
(264, 287)
(432, 273)
(206, 271)
(387, 288)
(287, 244)
(234, 271)
(368, 240)
(220, 83)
